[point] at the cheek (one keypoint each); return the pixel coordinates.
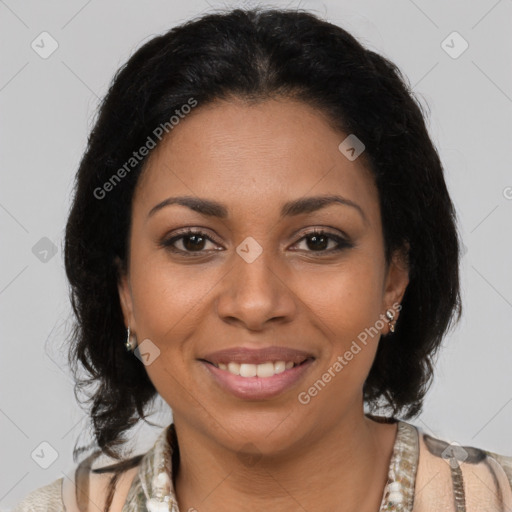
(166, 296)
(164, 306)
(346, 305)
(169, 306)
(346, 298)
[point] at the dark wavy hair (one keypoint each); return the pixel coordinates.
(256, 55)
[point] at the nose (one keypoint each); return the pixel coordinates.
(255, 292)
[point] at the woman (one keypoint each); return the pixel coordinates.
(262, 216)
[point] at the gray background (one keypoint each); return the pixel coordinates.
(48, 107)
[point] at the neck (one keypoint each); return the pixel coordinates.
(343, 468)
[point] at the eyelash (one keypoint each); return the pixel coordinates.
(168, 244)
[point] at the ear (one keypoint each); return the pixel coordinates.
(396, 282)
(125, 294)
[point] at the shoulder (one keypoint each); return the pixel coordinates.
(91, 486)
(47, 497)
(99, 488)
(84, 490)
(88, 487)
(449, 473)
(505, 462)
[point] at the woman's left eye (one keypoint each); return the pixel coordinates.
(194, 241)
(320, 240)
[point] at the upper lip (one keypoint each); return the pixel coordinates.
(257, 356)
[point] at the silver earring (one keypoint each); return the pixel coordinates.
(131, 341)
(390, 315)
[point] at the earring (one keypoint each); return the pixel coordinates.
(390, 315)
(131, 341)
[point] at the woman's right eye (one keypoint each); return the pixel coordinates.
(192, 242)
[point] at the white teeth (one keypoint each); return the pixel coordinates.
(265, 369)
(248, 370)
(234, 368)
(268, 369)
(280, 366)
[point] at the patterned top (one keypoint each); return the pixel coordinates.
(425, 474)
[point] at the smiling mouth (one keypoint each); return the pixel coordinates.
(262, 370)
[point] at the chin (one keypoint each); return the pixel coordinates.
(268, 433)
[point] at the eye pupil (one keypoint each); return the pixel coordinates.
(315, 238)
(198, 240)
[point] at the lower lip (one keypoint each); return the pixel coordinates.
(258, 388)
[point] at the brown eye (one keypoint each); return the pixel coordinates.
(318, 241)
(194, 242)
(191, 242)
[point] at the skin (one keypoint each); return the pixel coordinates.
(326, 455)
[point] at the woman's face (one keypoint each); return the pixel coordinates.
(256, 284)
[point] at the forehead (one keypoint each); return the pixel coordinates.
(254, 157)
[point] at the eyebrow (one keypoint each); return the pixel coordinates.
(301, 206)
